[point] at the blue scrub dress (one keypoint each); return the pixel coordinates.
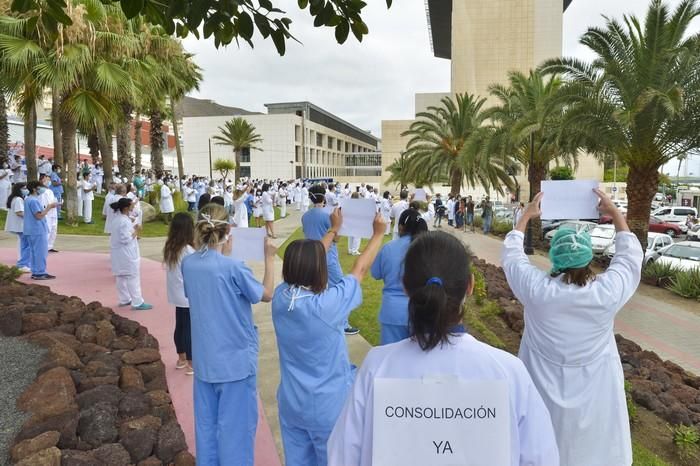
(36, 233)
(316, 222)
(221, 292)
(388, 266)
(316, 374)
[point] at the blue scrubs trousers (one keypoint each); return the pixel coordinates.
(303, 447)
(39, 247)
(25, 251)
(225, 421)
(392, 333)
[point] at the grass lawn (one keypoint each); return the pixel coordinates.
(152, 229)
(643, 457)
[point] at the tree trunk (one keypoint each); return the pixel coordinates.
(237, 172)
(94, 147)
(30, 142)
(641, 187)
(70, 159)
(456, 177)
(157, 143)
(137, 143)
(536, 173)
(124, 161)
(178, 148)
(104, 136)
(4, 129)
(56, 128)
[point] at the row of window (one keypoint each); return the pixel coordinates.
(322, 157)
(329, 142)
(331, 172)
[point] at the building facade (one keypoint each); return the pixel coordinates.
(299, 140)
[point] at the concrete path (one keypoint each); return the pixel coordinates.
(654, 318)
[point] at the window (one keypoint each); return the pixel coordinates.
(297, 133)
(298, 173)
(339, 145)
(245, 172)
(245, 155)
(319, 139)
(347, 147)
(330, 142)
(684, 212)
(297, 154)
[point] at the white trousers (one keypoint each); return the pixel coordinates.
(304, 207)
(283, 209)
(80, 206)
(298, 204)
(129, 289)
(53, 230)
(354, 244)
(87, 210)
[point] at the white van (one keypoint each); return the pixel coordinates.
(675, 214)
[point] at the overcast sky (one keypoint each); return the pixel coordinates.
(362, 83)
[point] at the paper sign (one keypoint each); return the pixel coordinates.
(358, 216)
(441, 422)
(328, 209)
(420, 195)
(248, 244)
(569, 200)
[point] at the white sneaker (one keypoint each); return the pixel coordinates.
(25, 269)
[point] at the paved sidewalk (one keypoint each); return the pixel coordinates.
(654, 318)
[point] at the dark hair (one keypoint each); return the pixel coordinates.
(386, 194)
(204, 199)
(265, 187)
(317, 194)
(121, 204)
(218, 200)
(33, 185)
(305, 265)
(411, 222)
(437, 274)
(55, 166)
(581, 276)
(16, 192)
(42, 176)
(180, 234)
(403, 195)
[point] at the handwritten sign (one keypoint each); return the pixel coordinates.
(441, 422)
(358, 216)
(420, 195)
(569, 200)
(248, 244)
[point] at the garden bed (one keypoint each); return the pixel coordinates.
(100, 396)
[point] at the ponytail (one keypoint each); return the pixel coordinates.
(411, 222)
(437, 275)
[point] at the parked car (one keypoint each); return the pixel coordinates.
(621, 205)
(655, 243)
(578, 225)
(659, 197)
(659, 226)
(684, 255)
(694, 233)
(675, 214)
(602, 236)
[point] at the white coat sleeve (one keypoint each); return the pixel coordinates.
(523, 278)
(621, 279)
(125, 232)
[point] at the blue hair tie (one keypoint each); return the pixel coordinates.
(434, 281)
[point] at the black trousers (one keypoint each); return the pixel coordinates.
(183, 332)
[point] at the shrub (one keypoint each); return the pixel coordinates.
(179, 201)
(659, 271)
(479, 287)
(686, 283)
(9, 273)
(501, 228)
(687, 440)
(631, 407)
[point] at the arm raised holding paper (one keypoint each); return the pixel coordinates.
(364, 262)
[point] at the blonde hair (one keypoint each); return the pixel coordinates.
(212, 227)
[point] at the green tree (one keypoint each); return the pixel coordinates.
(639, 99)
(561, 172)
(398, 170)
(4, 128)
(238, 134)
(223, 166)
(436, 152)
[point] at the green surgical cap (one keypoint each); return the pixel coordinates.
(570, 250)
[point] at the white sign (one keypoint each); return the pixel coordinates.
(569, 200)
(358, 217)
(420, 195)
(441, 422)
(248, 244)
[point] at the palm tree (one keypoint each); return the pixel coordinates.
(436, 151)
(238, 134)
(157, 139)
(399, 173)
(4, 130)
(639, 98)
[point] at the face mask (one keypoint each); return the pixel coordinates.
(25, 192)
(47, 183)
(41, 190)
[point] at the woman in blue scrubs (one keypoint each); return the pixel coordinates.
(36, 230)
(388, 266)
(221, 292)
(309, 315)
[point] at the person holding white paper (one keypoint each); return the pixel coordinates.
(309, 316)
(569, 343)
(354, 241)
(240, 211)
(267, 202)
(437, 279)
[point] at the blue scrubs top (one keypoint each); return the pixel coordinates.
(388, 266)
(33, 226)
(224, 339)
(316, 223)
(314, 363)
(57, 190)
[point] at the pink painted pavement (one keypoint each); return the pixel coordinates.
(88, 276)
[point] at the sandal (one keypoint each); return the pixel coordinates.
(180, 365)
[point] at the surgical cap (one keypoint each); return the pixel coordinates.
(570, 250)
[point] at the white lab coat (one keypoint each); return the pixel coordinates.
(5, 187)
(532, 439)
(124, 248)
(166, 200)
(569, 348)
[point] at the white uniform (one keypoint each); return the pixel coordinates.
(5, 187)
(305, 201)
(79, 193)
(240, 212)
(282, 193)
(297, 197)
(396, 211)
(136, 214)
(126, 260)
(268, 209)
(51, 216)
(43, 167)
(385, 210)
(87, 199)
(532, 439)
(108, 212)
(166, 200)
(569, 348)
